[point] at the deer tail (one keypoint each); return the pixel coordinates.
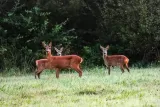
(126, 60)
(36, 62)
(81, 60)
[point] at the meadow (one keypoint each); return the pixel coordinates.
(139, 88)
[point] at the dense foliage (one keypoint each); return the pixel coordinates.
(129, 27)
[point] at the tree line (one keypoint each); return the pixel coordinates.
(131, 28)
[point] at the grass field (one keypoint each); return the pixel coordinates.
(140, 88)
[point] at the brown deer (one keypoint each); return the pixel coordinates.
(59, 62)
(114, 60)
(43, 64)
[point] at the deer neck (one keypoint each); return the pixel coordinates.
(105, 59)
(104, 56)
(49, 55)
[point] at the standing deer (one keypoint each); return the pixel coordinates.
(43, 64)
(59, 62)
(114, 60)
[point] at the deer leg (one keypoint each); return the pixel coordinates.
(57, 73)
(36, 74)
(39, 74)
(106, 69)
(109, 70)
(77, 69)
(126, 66)
(39, 71)
(122, 68)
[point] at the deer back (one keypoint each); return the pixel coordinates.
(42, 63)
(116, 60)
(65, 61)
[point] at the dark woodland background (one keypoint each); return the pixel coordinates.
(130, 27)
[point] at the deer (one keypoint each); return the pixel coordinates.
(59, 62)
(114, 60)
(43, 64)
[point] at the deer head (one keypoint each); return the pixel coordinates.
(59, 52)
(104, 50)
(47, 47)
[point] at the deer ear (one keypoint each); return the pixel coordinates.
(56, 49)
(61, 49)
(50, 44)
(107, 47)
(101, 47)
(43, 44)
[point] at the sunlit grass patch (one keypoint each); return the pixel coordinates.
(140, 87)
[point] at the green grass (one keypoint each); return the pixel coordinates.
(140, 88)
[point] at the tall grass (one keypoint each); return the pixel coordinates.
(139, 88)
